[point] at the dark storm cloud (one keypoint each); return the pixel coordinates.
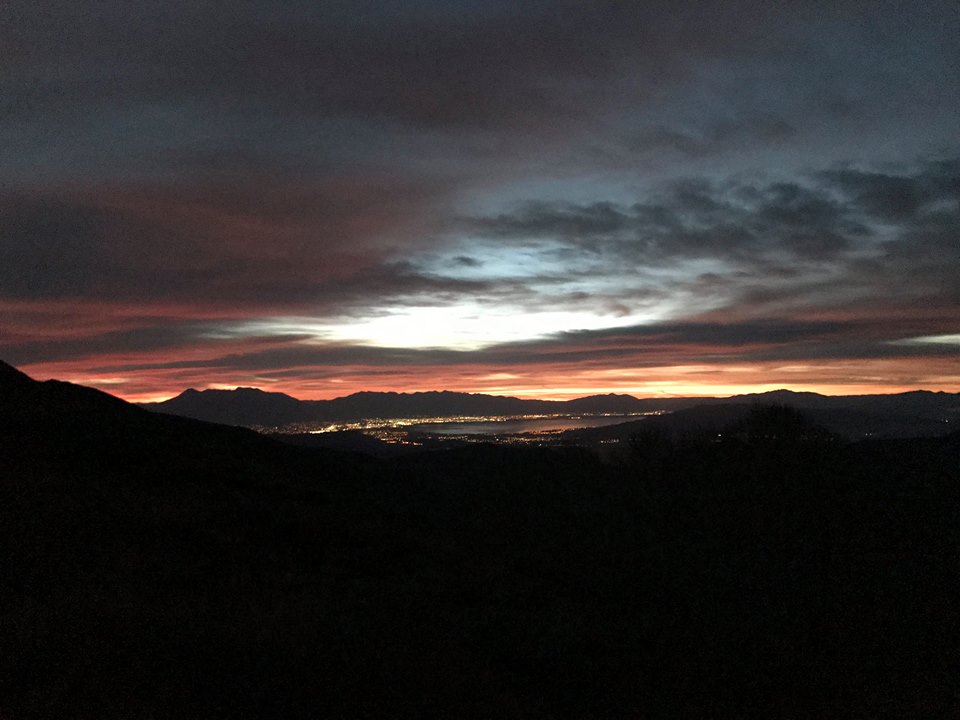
(292, 246)
(721, 342)
(304, 85)
(901, 198)
(921, 213)
(408, 61)
(695, 218)
(565, 220)
(816, 217)
(170, 337)
(248, 67)
(301, 355)
(404, 283)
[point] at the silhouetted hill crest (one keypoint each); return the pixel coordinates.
(9, 374)
(4, 368)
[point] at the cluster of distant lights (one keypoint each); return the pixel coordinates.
(393, 430)
(531, 437)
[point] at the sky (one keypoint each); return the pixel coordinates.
(542, 199)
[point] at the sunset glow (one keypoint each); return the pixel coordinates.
(615, 200)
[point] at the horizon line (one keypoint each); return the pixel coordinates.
(125, 388)
(664, 396)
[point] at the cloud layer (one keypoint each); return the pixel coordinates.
(551, 198)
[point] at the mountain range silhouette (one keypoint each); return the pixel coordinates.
(901, 414)
(160, 566)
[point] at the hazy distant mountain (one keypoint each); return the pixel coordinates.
(610, 403)
(247, 406)
(911, 413)
(243, 406)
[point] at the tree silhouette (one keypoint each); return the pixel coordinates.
(777, 424)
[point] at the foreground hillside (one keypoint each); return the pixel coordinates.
(160, 567)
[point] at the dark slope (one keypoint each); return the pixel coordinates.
(59, 421)
(10, 374)
(144, 557)
(847, 423)
(165, 568)
(919, 403)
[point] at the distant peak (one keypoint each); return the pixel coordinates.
(238, 394)
(783, 392)
(193, 392)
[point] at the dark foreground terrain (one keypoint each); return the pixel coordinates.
(159, 567)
